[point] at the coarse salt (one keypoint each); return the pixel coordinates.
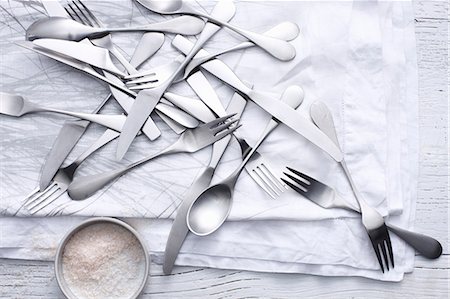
(103, 260)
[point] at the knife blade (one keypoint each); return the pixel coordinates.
(179, 229)
(277, 109)
(85, 52)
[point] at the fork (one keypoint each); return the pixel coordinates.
(79, 12)
(371, 219)
(326, 197)
(152, 78)
(37, 200)
(189, 141)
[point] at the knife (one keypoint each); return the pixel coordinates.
(277, 109)
(85, 52)
(147, 99)
(179, 229)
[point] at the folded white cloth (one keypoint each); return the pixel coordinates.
(357, 57)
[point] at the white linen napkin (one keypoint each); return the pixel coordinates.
(324, 67)
(293, 246)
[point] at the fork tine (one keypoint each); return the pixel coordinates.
(141, 79)
(261, 183)
(217, 121)
(33, 196)
(377, 252)
(223, 126)
(75, 15)
(224, 133)
(45, 204)
(42, 198)
(148, 85)
(383, 250)
(266, 180)
(140, 74)
(89, 12)
(389, 246)
(87, 20)
(270, 175)
(299, 190)
(303, 176)
(299, 181)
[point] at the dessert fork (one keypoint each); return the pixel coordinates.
(371, 219)
(326, 197)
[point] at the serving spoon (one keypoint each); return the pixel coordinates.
(279, 49)
(212, 207)
(63, 28)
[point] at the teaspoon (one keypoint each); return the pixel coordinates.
(212, 207)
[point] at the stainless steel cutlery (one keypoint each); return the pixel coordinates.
(63, 28)
(190, 141)
(212, 207)
(326, 197)
(371, 219)
(76, 37)
(279, 49)
(179, 229)
(147, 99)
(281, 111)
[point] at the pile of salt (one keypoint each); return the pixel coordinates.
(103, 260)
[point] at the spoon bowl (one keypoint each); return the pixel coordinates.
(211, 210)
(66, 29)
(11, 104)
(162, 7)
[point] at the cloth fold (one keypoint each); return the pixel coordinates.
(357, 57)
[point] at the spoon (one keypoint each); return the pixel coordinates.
(278, 48)
(212, 207)
(285, 31)
(63, 28)
(16, 105)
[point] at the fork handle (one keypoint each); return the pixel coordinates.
(425, 245)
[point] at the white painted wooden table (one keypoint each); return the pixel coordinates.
(34, 279)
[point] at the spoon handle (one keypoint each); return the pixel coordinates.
(114, 122)
(278, 48)
(83, 187)
(425, 245)
(185, 25)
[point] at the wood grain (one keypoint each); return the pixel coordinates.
(430, 279)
